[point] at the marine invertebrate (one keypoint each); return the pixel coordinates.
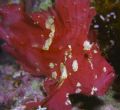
(55, 44)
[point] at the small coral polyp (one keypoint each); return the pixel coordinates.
(55, 44)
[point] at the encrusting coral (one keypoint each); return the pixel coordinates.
(56, 44)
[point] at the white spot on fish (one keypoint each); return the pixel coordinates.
(78, 90)
(67, 95)
(63, 70)
(94, 90)
(96, 76)
(91, 64)
(104, 69)
(78, 84)
(75, 65)
(95, 51)
(49, 25)
(54, 75)
(51, 65)
(87, 45)
(67, 102)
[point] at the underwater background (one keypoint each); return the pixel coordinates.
(18, 86)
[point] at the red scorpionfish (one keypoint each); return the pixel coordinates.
(55, 44)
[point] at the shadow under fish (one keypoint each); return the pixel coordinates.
(85, 102)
